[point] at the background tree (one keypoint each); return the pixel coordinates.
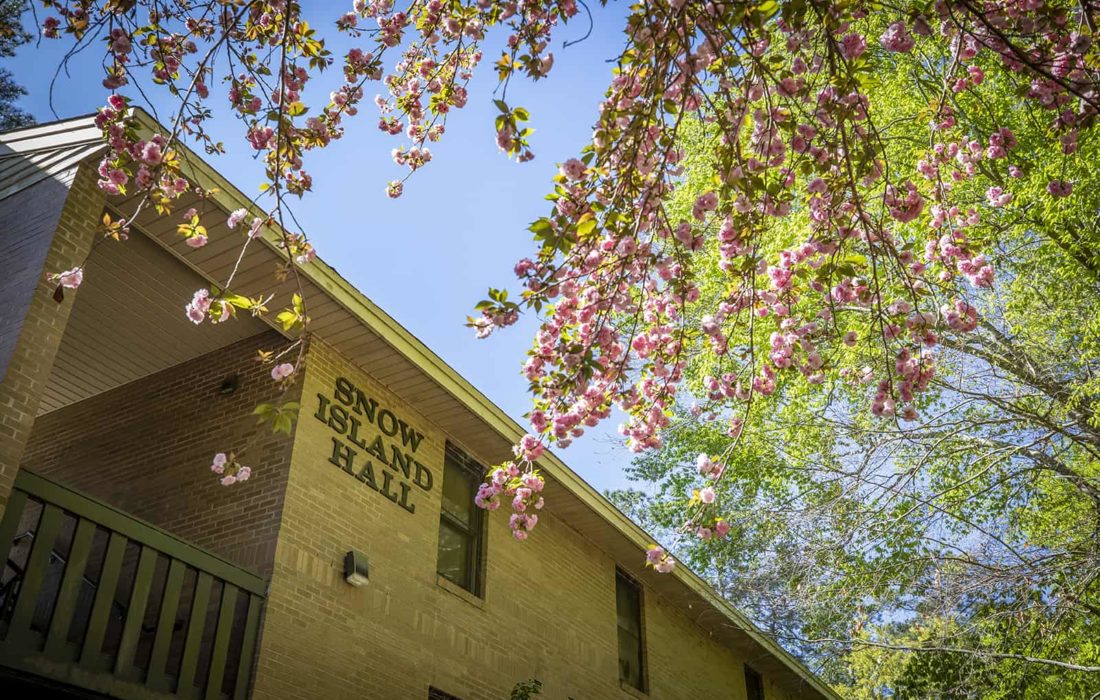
(12, 35)
(951, 552)
(789, 215)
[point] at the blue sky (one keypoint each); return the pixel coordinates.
(428, 257)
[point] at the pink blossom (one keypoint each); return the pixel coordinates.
(1059, 188)
(306, 256)
(904, 208)
(961, 316)
(236, 218)
(546, 63)
(529, 448)
(244, 473)
(218, 464)
(533, 481)
(573, 169)
(195, 315)
(196, 241)
(705, 465)
(71, 279)
(654, 554)
(896, 38)
(198, 306)
(707, 495)
(228, 480)
(260, 136)
(852, 46)
(997, 197)
(282, 371)
(706, 202)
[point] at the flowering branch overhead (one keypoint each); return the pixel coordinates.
(781, 91)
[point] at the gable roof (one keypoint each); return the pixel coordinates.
(32, 154)
(350, 322)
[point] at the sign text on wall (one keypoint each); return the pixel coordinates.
(375, 433)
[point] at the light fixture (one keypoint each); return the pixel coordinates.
(355, 568)
(229, 384)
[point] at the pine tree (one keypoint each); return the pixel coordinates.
(12, 35)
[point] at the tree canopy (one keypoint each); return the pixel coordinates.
(12, 35)
(834, 262)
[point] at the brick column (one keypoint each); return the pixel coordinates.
(47, 227)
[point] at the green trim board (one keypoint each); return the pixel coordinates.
(128, 557)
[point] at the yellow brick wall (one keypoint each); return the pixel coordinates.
(548, 610)
(48, 227)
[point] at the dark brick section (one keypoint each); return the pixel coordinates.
(146, 447)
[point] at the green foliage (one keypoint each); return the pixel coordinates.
(12, 35)
(294, 318)
(280, 416)
(525, 690)
(922, 559)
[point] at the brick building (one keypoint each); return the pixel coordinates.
(130, 572)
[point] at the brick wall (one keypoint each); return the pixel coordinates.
(548, 610)
(145, 447)
(48, 227)
(30, 218)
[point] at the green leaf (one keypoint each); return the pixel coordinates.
(541, 227)
(586, 226)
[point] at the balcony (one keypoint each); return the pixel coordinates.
(95, 599)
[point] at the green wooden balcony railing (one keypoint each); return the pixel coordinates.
(94, 598)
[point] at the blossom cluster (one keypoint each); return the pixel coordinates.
(203, 304)
(611, 249)
(882, 265)
(522, 491)
(706, 522)
(658, 558)
(229, 470)
(132, 162)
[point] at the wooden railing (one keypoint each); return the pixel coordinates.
(94, 598)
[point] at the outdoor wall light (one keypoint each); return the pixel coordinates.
(355, 568)
(229, 384)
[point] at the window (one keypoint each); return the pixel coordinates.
(460, 522)
(437, 694)
(628, 606)
(754, 684)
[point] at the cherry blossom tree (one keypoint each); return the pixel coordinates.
(783, 91)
